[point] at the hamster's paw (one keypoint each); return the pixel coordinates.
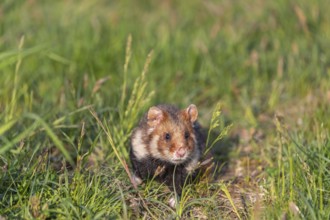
(137, 180)
(172, 202)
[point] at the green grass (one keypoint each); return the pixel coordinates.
(75, 76)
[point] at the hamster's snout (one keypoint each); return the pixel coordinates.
(181, 152)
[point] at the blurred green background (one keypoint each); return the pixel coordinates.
(204, 51)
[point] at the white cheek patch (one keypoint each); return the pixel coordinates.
(139, 148)
(154, 147)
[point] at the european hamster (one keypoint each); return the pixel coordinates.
(167, 143)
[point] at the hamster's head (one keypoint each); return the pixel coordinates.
(171, 132)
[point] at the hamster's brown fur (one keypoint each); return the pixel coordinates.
(167, 143)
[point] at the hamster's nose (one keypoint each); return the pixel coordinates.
(181, 152)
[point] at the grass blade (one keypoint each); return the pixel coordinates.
(58, 143)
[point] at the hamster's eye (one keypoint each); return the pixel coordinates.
(186, 135)
(167, 136)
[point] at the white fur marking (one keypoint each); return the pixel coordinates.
(154, 147)
(139, 148)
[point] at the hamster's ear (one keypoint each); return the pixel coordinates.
(192, 112)
(155, 116)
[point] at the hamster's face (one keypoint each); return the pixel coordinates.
(173, 138)
(173, 142)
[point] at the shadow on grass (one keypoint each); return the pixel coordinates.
(221, 153)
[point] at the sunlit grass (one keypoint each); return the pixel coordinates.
(76, 76)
